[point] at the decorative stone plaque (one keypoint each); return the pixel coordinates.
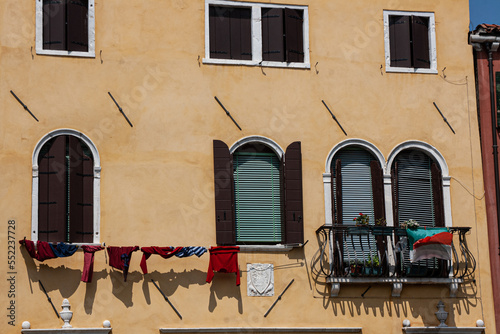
(260, 279)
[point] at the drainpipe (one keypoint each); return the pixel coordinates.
(493, 47)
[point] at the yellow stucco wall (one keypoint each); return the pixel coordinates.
(157, 177)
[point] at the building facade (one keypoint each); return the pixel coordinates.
(269, 129)
(485, 39)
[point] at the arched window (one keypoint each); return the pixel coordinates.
(417, 187)
(353, 182)
(357, 186)
(258, 193)
(65, 189)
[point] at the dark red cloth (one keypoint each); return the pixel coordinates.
(43, 250)
(88, 262)
(223, 259)
(164, 252)
(119, 258)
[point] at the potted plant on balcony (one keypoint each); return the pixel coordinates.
(362, 220)
(373, 267)
(356, 267)
(361, 223)
(410, 223)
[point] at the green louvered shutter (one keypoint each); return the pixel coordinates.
(357, 197)
(257, 198)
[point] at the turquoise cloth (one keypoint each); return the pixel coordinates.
(421, 232)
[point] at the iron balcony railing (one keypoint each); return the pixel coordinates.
(382, 251)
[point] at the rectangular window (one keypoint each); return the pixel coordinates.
(243, 33)
(410, 42)
(230, 33)
(65, 27)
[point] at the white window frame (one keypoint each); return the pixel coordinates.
(432, 43)
(327, 176)
(256, 27)
(430, 150)
(97, 181)
(39, 34)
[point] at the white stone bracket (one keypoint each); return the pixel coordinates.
(397, 283)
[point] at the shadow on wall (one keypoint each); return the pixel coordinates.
(417, 301)
(224, 285)
(170, 281)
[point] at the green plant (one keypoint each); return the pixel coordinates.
(373, 261)
(380, 222)
(362, 220)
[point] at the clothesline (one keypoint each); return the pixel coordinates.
(222, 258)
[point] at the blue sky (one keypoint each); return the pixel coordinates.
(484, 11)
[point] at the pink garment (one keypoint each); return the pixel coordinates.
(43, 251)
(88, 262)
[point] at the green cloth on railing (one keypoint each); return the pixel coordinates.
(415, 234)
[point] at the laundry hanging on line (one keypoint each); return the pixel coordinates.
(45, 250)
(119, 258)
(167, 252)
(223, 259)
(88, 262)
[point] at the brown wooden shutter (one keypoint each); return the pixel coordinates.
(395, 210)
(437, 194)
(338, 191)
(399, 36)
(332, 190)
(338, 236)
(395, 195)
(219, 22)
(224, 199)
(230, 33)
(52, 191)
(379, 206)
(420, 40)
(272, 35)
(377, 189)
(241, 33)
(294, 36)
(81, 193)
(77, 25)
(294, 215)
(54, 24)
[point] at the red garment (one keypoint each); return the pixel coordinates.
(164, 252)
(88, 262)
(119, 258)
(43, 251)
(224, 259)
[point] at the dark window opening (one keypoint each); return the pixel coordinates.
(282, 35)
(409, 41)
(230, 33)
(65, 195)
(65, 25)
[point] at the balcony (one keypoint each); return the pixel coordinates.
(381, 254)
